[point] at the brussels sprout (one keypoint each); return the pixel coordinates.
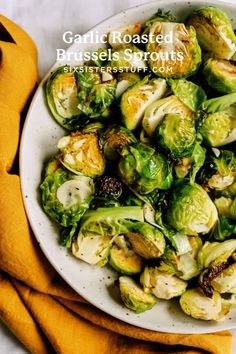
(191, 210)
(95, 127)
(92, 249)
(160, 16)
(138, 97)
(65, 197)
(124, 81)
(220, 104)
(214, 253)
(226, 281)
(134, 297)
(143, 169)
(52, 165)
(126, 58)
(183, 44)
(61, 94)
(220, 75)
(225, 228)
(219, 172)
(125, 262)
(115, 138)
(162, 285)
(146, 240)
(116, 38)
(194, 303)
(214, 31)
(159, 108)
(226, 207)
(110, 221)
(102, 57)
(185, 266)
(81, 153)
(189, 93)
(176, 134)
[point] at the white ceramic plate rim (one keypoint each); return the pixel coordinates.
(198, 326)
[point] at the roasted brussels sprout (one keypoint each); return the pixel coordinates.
(194, 303)
(146, 240)
(189, 93)
(124, 81)
(159, 108)
(115, 138)
(220, 75)
(160, 16)
(162, 285)
(61, 94)
(184, 45)
(81, 153)
(92, 249)
(65, 197)
(225, 282)
(143, 169)
(226, 206)
(214, 253)
(116, 37)
(185, 266)
(125, 262)
(134, 297)
(214, 31)
(176, 134)
(190, 209)
(225, 228)
(219, 172)
(128, 57)
(138, 97)
(218, 124)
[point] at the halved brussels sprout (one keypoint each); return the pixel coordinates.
(189, 93)
(146, 240)
(65, 197)
(115, 138)
(92, 249)
(162, 285)
(143, 169)
(191, 210)
(185, 266)
(220, 75)
(125, 262)
(214, 253)
(110, 221)
(214, 31)
(183, 45)
(134, 297)
(81, 153)
(138, 97)
(219, 172)
(225, 282)
(159, 108)
(194, 303)
(127, 58)
(176, 134)
(117, 37)
(61, 94)
(124, 81)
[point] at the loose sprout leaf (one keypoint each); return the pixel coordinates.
(219, 104)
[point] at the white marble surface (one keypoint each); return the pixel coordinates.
(45, 21)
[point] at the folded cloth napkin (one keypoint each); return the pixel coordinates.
(44, 313)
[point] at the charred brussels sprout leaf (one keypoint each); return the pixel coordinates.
(65, 197)
(134, 297)
(184, 41)
(214, 31)
(191, 210)
(115, 139)
(226, 281)
(81, 153)
(143, 169)
(176, 134)
(61, 94)
(220, 75)
(189, 93)
(138, 97)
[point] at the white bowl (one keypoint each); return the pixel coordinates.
(38, 142)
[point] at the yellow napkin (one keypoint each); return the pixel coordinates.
(44, 313)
